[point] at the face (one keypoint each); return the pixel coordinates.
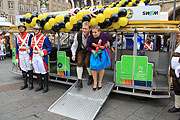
(95, 33)
(85, 30)
(3, 35)
(36, 31)
(0, 36)
(21, 29)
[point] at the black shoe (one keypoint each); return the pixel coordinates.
(23, 87)
(90, 80)
(45, 90)
(173, 109)
(79, 84)
(94, 89)
(38, 88)
(31, 87)
(99, 88)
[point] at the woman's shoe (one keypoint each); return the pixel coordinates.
(99, 88)
(94, 89)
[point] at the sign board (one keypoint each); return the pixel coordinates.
(143, 13)
(118, 72)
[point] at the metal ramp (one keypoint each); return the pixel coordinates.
(81, 104)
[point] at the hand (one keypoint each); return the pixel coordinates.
(107, 44)
(93, 51)
(73, 57)
(169, 72)
(17, 61)
(113, 51)
(41, 53)
(28, 50)
(30, 62)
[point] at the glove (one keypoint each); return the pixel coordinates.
(41, 53)
(30, 62)
(17, 61)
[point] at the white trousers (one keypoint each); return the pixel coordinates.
(24, 61)
(38, 64)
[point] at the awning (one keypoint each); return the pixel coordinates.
(5, 24)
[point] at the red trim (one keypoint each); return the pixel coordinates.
(46, 67)
(22, 49)
(45, 52)
(17, 56)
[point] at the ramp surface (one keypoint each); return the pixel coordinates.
(81, 104)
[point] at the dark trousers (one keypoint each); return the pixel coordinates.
(176, 82)
(83, 56)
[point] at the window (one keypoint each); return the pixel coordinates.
(21, 6)
(54, 8)
(11, 4)
(21, 0)
(59, 1)
(54, 0)
(11, 19)
(59, 8)
(28, 8)
(35, 8)
(0, 3)
(28, 1)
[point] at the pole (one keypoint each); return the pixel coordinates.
(58, 40)
(115, 57)
(174, 10)
(135, 42)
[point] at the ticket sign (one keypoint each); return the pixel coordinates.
(61, 60)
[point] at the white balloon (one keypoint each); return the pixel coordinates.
(141, 4)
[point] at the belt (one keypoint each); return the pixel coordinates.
(22, 49)
(176, 55)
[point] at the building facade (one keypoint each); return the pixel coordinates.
(11, 8)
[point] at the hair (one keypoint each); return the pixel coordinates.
(97, 27)
(87, 23)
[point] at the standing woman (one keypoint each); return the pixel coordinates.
(100, 59)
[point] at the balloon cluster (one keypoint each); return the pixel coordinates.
(114, 15)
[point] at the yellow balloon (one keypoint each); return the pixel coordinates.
(46, 14)
(73, 20)
(27, 25)
(115, 25)
(130, 4)
(52, 21)
(133, 1)
(34, 20)
(110, 6)
(93, 21)
(28, 15)
(123, 21)
(66, 30)
(143, 0)
(150, 2)
(32, 25)
(41, 16)
(118, 5)
(107, 13)
(100, 18)
(115, 10)
(100, 6)
(69, 26)
(86, 12)
(61, 30)
(58, 18)
(123, 1)
(47, 26)
(80, 15)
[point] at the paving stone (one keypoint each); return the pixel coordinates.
(132, 117)
(23, 113)
(104, 118)
(34, 117)
(151, 109)
(49, 116)
(10, 108)
(124, 110)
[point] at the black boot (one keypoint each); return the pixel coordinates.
(45, 88)
(25, 80)
(90, 80)
(174, 109)
(79, 84)
(40, 87)
(30, 79)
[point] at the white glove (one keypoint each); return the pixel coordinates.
(17, 61)
(41, 53)
(28, 50)
(30, 62)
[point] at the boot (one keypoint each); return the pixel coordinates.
(90, 80)
(25, 80)
(79, 84)
(40, 87)
(176, 107)
(46, 88)
(30, 79)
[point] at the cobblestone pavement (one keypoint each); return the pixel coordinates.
(26, 104)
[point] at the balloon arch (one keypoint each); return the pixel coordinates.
(107, 16)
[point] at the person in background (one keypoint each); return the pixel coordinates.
(83, 55)
(100, 58)
(23, 42)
